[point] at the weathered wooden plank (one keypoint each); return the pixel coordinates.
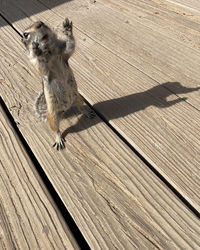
(29, 218)
(193, 5)
(162, 127)
(167, 60)
(156, 54)
(161, 16)
(116, 201)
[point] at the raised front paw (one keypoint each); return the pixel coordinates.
(41, 51)
(67, 25)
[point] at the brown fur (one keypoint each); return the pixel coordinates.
(50, 57)
(51, 120)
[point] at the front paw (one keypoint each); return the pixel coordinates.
(67, 25)
(37, 51)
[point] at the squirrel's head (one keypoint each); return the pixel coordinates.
(37, 32)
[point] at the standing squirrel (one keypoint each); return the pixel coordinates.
(50, 57)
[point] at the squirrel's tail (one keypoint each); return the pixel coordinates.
(41, 106)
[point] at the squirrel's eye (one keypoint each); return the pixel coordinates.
(26, 34)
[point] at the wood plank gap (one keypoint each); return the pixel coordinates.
(7, 21)
(113, 52)
(145, 161)
(132, 65)
(59, 203)
(185, 100)
(122, 58)
(121, 137)
(124, 208)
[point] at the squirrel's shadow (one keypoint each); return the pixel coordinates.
(120, 107)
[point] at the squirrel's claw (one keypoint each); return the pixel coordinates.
(67, 27)
(60, 144)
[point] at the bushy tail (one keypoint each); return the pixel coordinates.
(41, 106)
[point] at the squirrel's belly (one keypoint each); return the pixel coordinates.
(58, 98)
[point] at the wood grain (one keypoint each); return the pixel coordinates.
(116, 201)
(152, 52)
(162, 16)
(161, 126)
(29, 218)
(193, 5)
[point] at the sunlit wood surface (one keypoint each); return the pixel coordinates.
(129, 177)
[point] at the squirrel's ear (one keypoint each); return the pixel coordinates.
(39, 24)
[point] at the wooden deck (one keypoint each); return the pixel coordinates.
(129, 178)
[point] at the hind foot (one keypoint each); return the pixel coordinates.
(60, 142)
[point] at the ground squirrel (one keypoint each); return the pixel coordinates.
(50, 57)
